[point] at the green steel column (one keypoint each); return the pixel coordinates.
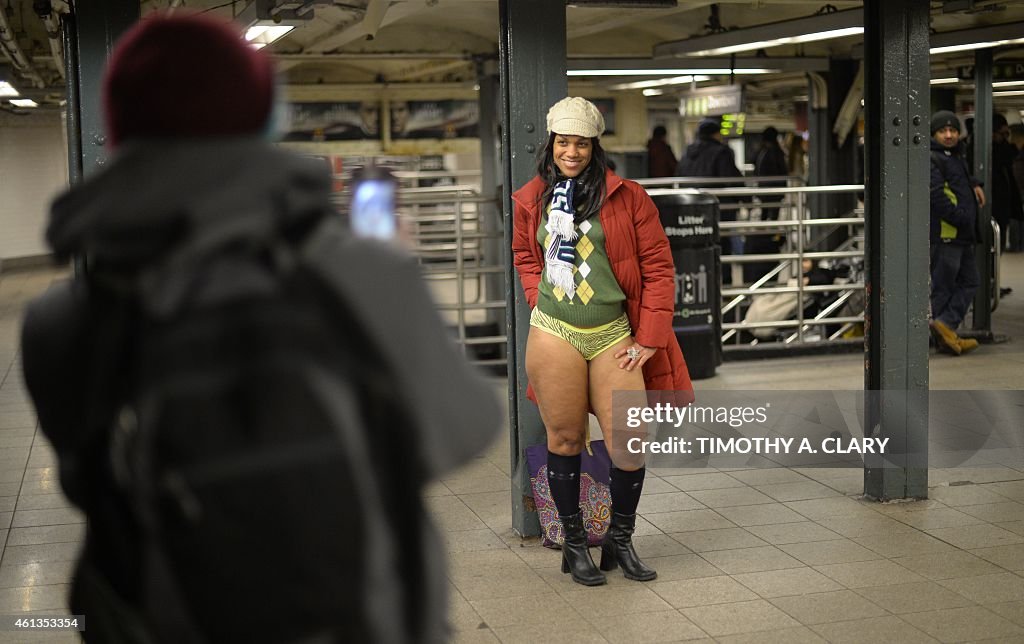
(99, 23)
(896, 207)
(983, 172)
(532, 48)
(819, 130)
(842, 74)
(69, 35)
(943, 99)
(490, 213)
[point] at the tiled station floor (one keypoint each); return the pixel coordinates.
(748, 555)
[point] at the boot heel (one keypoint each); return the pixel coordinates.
(608, 560)
(576, 559)
(618, 549)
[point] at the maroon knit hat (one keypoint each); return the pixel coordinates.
(187, 76)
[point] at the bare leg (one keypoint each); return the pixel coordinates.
(606, 377)
(559, 377)
(627, 475)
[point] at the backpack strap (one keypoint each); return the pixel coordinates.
(116, 325)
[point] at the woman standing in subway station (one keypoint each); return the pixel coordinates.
(597, 272)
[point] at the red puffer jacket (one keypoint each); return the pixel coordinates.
(641, 260)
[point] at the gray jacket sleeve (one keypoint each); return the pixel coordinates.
(454, 407)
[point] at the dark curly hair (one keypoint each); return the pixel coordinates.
(590, 189)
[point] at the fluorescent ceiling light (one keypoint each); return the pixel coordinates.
(6, 89)
(1019, 92)
(661, 82)
(653, 92)
(677, 66)
(974, 45)
(266, 21)
(977, 38)
(790, 40)
(825, 26)
(260, 36)
(1007, 83)
(716, 71)
(24, 102)
(944, 81)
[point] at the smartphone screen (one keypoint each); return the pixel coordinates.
(373, 209)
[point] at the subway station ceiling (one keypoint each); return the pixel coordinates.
(398, 42)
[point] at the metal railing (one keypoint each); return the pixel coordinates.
(994, 251)
(456, 234)
(804, 237)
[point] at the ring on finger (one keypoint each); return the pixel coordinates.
(633, 353)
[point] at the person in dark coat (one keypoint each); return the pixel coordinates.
(955, 200)
(1006, 199)
(194, 179)
(661, 161)
(1014, 242)
(708, 156)
(770, 161)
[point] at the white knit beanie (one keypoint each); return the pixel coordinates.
(576, 116)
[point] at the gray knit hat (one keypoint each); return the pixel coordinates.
(576, 116)
(942, 118)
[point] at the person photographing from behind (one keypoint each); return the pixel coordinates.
(245, 399)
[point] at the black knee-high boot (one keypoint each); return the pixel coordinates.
(617, 549)
(564, 483)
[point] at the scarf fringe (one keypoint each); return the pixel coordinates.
(561, 223)
(562, 277)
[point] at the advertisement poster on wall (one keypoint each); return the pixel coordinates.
(435, 119)
(334, 121)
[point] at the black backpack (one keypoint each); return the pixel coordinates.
(243, 494)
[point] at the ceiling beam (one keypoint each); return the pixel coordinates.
(384, 14)
(822, 22)
(429, 68)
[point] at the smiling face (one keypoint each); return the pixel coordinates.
(948, 136)
(572, 154)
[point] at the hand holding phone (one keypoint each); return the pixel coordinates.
(372, 213)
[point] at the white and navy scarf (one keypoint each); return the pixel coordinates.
(561, 254)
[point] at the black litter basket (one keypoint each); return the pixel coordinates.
(690, 220)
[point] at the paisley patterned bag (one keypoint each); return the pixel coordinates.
(595, 496)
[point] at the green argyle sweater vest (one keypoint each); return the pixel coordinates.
(598, 299)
